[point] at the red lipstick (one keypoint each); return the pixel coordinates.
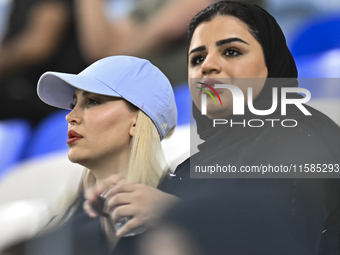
(73, 136)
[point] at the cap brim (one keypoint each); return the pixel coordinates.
(57, 89)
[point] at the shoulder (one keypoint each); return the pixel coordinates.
(173, 181)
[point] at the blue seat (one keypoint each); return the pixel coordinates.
(182, 98)
(319, 65)
(316, 47)
(290, 13)
(49, 136)
(316, 36)
(14, 135)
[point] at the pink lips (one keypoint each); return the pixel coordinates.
(73, 136)
(211, 83)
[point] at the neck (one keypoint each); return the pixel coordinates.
(105, 167)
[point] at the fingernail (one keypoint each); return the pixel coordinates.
(104, 194)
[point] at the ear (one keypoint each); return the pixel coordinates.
(132, 128)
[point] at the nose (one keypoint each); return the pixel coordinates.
(73, 117)
(211, 65)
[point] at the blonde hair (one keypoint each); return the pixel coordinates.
(146, 161)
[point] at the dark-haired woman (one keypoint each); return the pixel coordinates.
(233, 41)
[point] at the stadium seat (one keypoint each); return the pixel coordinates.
(182, 98)
(316, 47)
(14, 135)
(317, 35)
(49, 136)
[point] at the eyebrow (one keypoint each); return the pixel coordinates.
(200, 48)
(219, 43)
(229, 40)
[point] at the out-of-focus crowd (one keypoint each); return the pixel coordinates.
(68, 35)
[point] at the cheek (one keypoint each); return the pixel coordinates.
(253, 66)
(194, 72)
(259, 68)
(106, 123)
(256, 84)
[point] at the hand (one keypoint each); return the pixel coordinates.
(94, 204)
(143, 203)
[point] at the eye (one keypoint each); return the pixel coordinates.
(92, 101)
(230, 52)
(72, 106)
(196, 60)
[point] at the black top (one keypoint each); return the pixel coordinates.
(79, 235)
(217, 224)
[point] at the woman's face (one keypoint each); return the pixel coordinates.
(224, 48)
(103, 126)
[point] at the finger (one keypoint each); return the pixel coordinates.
(120, 212)
(89, 210)
(123, 181)
(122, 187)
(104, 187)
(117, 200)
(92, 195)
(89, 192)
(109, 182)
(128, 227)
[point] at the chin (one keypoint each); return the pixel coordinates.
(218, 111)
(75, 158)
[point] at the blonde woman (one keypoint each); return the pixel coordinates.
(122, 107)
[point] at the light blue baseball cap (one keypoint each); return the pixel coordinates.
(134, 79)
